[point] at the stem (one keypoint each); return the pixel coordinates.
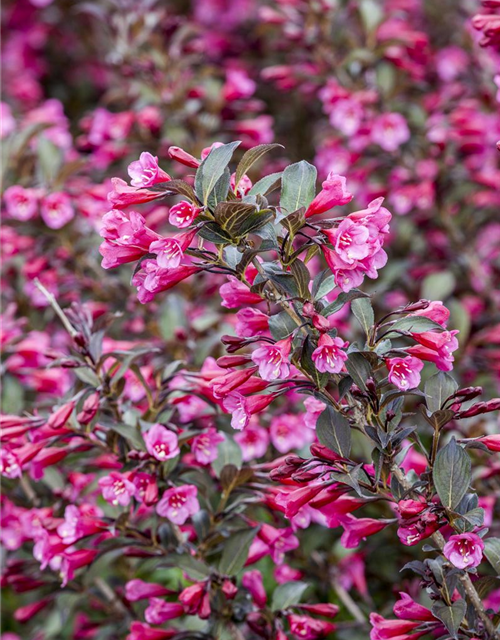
(470, 590)
(349, 603)
(55, 305)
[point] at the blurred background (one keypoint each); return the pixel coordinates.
(400, 96)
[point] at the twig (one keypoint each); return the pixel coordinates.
(55, 305)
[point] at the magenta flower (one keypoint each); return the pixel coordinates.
(182, 214)
(464, 550)
(57, 210)
(145, 172)
(253, 441)
(351, 241)
(126, 238)
(117, 489)
(204, 446)
(170, 251)
(435, 311)
(309, 628)
(390, 131)
(358, 529)
(328, 356)
(21, 203)
(179, 503)
(251, 322)
(137, 589)
(333, 193)
(161, 443)
(404, 373)
(272, 359)
(252, 581)
(435, 347)
(160, 611)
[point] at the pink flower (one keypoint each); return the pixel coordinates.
(272, 359)
(384, 629)
(252, 581)
(183, 214)
(390, 131)
(117, 489)
(404, 373)
(435, 347)
(126, 238)
(161, 443)
(238, 85)
(314, 408)
(357, 529)
(71, 561)
(160, 611)
(287, 432)
(253, 441)
(435, 311)
(196, 600)
(251, 322)
(21, 203)
(7, 120)
(309, 628)
(328, 356)
(142, 631)
(185, 158)
(77, 525)
(57, 210)
(204, 446)
(346, 116)
(235, 293)
(138, 590)
(179, 503)
(491, 442)
(145, 172)
(333, 193)
(464, 550)
(124, 195)
(170, 251)
(146, 489)
(152, 279)
(351, 241)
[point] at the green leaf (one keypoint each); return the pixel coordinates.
(341, 300)
(359, 369)
(363, 312)
(281, 325)
(250, 158)
(287, 594)
(302, 277)
(231, 215)
(266, 185)
(130, 433)
(255, 221)
(213, 232)
(195, 569)
(298, 186)
(438, 286)
(492, 552)
(323, 284)
(415, 324)
(183, 189)
(452, 616)
(212, 169)
(451, 474)
(334, 432)
(235, 552)
(228, 452)
(437, 389)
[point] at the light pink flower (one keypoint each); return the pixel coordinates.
(170, 251)
(56, 210)
(328, 356)
(287, 432)
(464, 550)
(21, 203)
(251, 322)
(404, 373)
(333, 193)
(272, 359)
(161, 443)
(183, 214)
(117, 489)
(179, 503)
(390, 131)
(160, 611)
(204, 446)
(145, 172)
(253, 441)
